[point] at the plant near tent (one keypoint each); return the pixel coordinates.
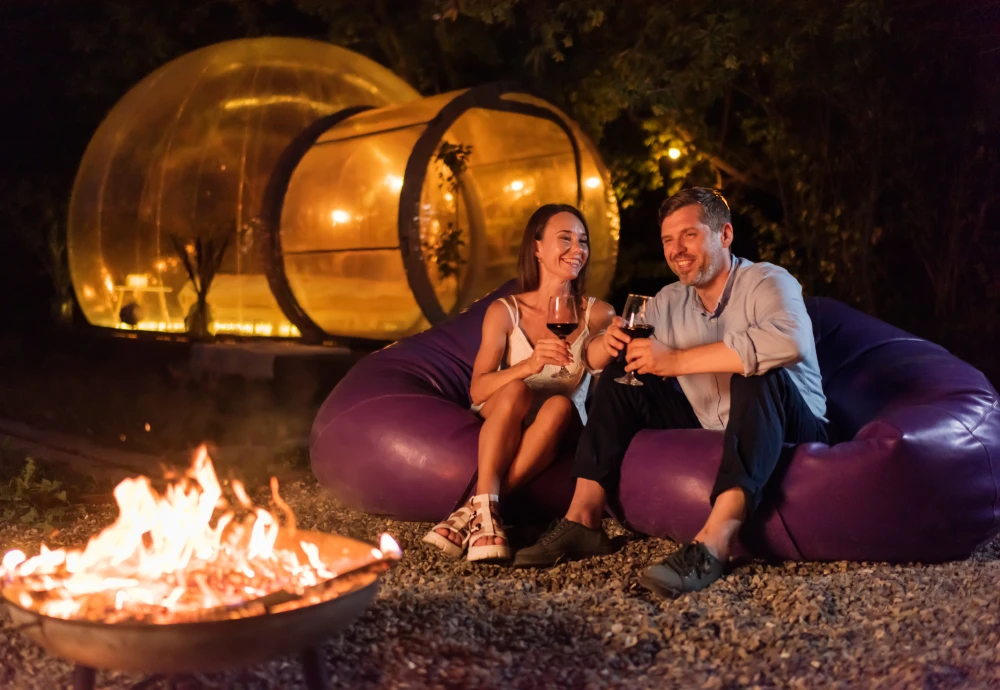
(202, 259)
(34, 500)
(445, 248)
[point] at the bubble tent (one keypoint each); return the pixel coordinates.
(353, 208)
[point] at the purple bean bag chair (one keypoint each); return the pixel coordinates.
(914, 477)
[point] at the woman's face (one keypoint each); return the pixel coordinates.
(564, 248)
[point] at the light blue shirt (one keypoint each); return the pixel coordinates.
(761, 315)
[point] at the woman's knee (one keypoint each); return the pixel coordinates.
(557, 411)
(514, 397)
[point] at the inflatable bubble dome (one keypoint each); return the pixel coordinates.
(187, 153)
(282, 187)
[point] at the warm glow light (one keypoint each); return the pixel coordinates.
(389, 547)
(516, 186)
(674, 153)
(87, 291)
(593, 182)
(448, 196)
(137, 280)
(338, 217)
(109, 284)
(161, 265)
(163, 326)
(395, 182)
(284, 99)
(12, 559)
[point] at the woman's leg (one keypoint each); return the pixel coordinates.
(538, 448)
(540, 442)
(500, 436)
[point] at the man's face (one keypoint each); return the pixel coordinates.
(694, 252)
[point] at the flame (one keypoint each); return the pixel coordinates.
(182, 551)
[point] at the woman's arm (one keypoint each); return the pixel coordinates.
(595, 355)
(486, 380)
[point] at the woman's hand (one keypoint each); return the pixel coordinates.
(547, 351)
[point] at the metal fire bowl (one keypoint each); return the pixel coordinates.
(206, 645)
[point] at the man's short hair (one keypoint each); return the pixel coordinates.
(714, 207)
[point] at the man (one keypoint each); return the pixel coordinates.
(737, 338)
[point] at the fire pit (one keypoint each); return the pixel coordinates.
(181, 583)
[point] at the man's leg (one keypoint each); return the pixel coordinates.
(617, 414)
(765, 412)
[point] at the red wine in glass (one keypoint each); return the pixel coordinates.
(640, 330)
(562, 329)
(562, 321)
(635, 326)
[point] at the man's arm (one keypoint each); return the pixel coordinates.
(777, 338)
(781, 332)
(648, 356)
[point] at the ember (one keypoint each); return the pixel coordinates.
(186, 555)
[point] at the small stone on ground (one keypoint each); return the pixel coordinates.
(450, 624)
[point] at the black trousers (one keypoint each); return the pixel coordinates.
(765, 412)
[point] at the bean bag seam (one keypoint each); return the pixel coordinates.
(993, 408)
(986, 452)
(877, 346)
(794, 542)
(989, 462)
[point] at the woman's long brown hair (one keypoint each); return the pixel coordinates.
(527, 262)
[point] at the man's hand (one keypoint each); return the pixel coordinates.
(649, 356)
(615, 340)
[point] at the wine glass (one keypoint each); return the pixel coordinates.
(562, 321)
(635, 326)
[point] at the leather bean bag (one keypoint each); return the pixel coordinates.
(913, 477)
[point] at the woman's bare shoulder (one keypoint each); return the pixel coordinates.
(601, 314)
(498, 315)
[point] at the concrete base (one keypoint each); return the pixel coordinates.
(256, 360)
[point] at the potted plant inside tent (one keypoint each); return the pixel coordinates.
(202, 258)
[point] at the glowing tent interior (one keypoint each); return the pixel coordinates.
(336, 201)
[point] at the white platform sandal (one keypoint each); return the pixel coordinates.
(457, 524)
(486, 523)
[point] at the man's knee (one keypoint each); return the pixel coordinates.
(750, 385)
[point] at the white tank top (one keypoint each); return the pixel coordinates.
(542, 384)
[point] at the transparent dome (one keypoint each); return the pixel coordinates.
(186, 155)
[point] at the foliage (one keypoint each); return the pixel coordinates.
(446, 248)
(857, 139)
(33, 500)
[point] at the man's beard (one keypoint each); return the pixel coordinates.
(706, 274)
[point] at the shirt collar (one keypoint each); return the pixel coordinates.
(727, 291)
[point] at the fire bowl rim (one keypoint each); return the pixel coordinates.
(180, 626)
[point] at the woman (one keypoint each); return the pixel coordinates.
(526, 410)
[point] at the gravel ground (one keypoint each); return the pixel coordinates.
(447, 624)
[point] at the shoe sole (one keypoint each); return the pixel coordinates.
(656, 588)
(493, 552)
(445, 545)
(549, 562)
